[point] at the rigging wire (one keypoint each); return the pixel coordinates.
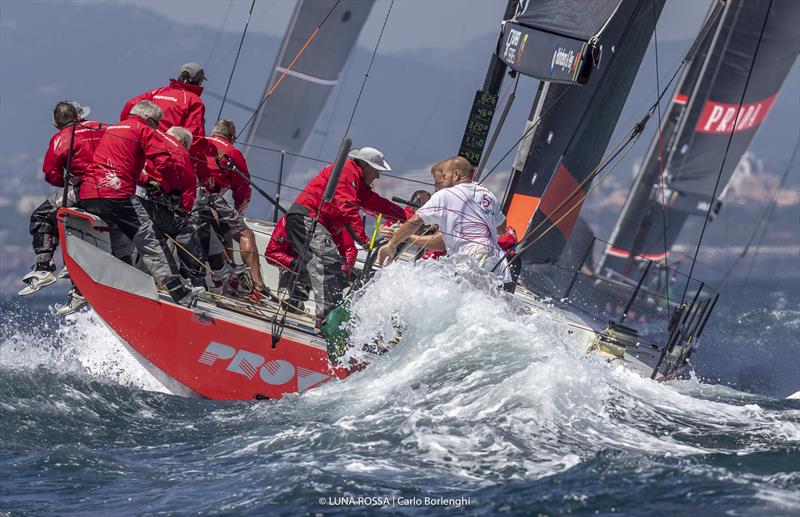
(236, 60)
(633, 134)
(369, 67)
(533, 126)
(288, 153)
(256, 22)
(288, 68)
(336, 102)
(219, 33)
(623, 148)
(525, 134)
(727, 150)
(661, 159)
(600, 167)
(507, 101)
(762, 224)
(437, 101)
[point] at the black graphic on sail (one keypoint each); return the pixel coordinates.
(288, 118)
(573, 125)
(703, 115)
(555, 40)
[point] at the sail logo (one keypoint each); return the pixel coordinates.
(512, 45)
(718, 117)
(275, 372)
(165, 98)
(563, 58)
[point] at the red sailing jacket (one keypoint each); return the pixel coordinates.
(219, 179)
(120, 157)
(87, 136)
(351, 194)
(281, 253)
(180, 103)
(180, 178)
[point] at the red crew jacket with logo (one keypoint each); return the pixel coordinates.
(87, 136)
(219, 179)
(352, 193)
(179, 178)
(120, 157)
(181, 106)
(280, 252)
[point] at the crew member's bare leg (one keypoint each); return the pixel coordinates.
(249, 252)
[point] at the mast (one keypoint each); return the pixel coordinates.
(286, 121)
(482, 111)
(574, 123)
(704, 115)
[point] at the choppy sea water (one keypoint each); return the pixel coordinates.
(479, 409)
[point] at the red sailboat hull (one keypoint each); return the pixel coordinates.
(203, 351)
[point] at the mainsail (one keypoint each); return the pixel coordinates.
(570, 126)
(287, 119)
(753, 46)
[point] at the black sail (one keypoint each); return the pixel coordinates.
(573, 126)
(555, 40)
(754, 45)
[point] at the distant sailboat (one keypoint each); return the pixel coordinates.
(734, 74)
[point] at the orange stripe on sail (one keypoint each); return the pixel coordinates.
(521, 211)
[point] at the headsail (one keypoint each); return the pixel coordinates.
(573, 126)
(704, 115)
(286, 121)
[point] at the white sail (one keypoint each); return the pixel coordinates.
(286, 120)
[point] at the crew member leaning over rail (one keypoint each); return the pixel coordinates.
(468, 216)
(280, 253)
(43, 220)
(109, 191)
(225, 169)
(433, 242)
(169, 196)
(318, 254)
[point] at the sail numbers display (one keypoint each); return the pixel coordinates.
(478, 124)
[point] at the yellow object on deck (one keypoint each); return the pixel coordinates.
(375, 232)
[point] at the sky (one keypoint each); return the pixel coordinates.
(432, 20)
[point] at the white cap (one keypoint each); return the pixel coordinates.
(371, 156)
(83, 111)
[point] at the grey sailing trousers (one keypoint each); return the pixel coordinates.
(321, 262)
(131, 219)
(43, 227)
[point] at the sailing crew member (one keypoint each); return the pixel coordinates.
(179, 101)
(109, 190)
(227, 170)
(317, 253)
(437, 171)
(422, 235)
(282, 255)
(432, 241)
(43, 227)
(169, 196)
(468, 216)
